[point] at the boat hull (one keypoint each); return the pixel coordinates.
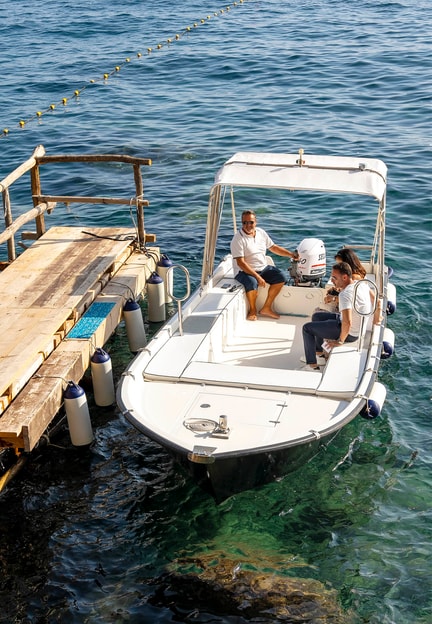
(231, 475)
(257, 448)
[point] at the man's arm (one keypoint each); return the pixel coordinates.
(281, 251)
(346, 322)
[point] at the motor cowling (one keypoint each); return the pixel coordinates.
(311, 267)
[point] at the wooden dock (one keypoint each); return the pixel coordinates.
(60, 300)
(45, 292)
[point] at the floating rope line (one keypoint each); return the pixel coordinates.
(139, 55)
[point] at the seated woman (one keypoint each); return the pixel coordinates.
(340, 328)
(349, 256)
(331, 298)
(358, 273)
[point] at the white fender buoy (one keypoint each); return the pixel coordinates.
(391, 299)
(102, 377)
(155, 298)
(134, 325)
(374, 403)
(78, 416)
(162, 270)
(388, 344)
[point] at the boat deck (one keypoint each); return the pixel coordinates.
(46, 291)
(271, 343)
(220, 347)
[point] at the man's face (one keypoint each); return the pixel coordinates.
(338, 279)
(249, 223)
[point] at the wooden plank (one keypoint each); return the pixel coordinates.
(37, 404)
(131, 278)
(134, 273)
(56, 271)
(38, 152)
(69, 364)
(62, 158)
(38, 210)
(84, 199)
(27, 337)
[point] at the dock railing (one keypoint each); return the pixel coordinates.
(46, 203)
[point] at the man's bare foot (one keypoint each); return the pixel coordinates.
(269, 313)
(251, 317)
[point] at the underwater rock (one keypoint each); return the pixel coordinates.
(219, 585)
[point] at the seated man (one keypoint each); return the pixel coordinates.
(248, 247)
(336, 328)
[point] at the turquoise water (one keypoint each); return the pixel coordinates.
(88, 536)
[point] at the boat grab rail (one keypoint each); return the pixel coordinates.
(170, 291)
(364, 315)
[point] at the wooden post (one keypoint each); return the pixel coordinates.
(8, 221)
(4, 187)
(36, 191)
(139, 206)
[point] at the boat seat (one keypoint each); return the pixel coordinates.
(260, 378)
(169, 362)
(346, 363)
(344, 369)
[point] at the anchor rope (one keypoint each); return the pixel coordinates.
(127, 61)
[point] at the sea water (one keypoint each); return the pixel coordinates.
(88, 536)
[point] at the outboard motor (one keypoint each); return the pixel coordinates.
(311, 268)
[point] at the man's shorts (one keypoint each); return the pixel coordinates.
(270, 273)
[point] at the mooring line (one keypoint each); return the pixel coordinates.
(139, 55)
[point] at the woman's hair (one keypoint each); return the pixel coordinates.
(351, 258)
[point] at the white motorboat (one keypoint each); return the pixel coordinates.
(227, 396)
